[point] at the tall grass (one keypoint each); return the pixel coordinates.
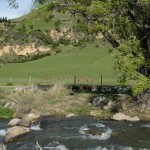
(29, 99)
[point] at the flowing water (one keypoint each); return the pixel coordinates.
(82, 133)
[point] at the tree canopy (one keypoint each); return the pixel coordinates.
(124, 23)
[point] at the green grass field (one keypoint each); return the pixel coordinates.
(86, 64)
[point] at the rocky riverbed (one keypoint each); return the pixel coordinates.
(81, 133)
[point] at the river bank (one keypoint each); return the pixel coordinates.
(61, 101)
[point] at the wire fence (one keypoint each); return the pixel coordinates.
(101, 80)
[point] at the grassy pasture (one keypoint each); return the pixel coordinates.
(86, 64)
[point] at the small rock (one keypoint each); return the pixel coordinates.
(13, 122)
(33, 117)
(121, 116)
(45, 114)
(13, 105)
(109, 105)
(100, 102)
(94, 113)
(7, 104)
(3, 146)
(115, 133)
(15, 132)
(134, 119)
(71, 115)
(93, 132)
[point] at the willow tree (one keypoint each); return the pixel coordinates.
(125, 24)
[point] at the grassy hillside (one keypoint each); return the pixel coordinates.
(87, 64)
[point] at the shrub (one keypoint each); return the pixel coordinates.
(9, 84)
(57, 24)
(6, 112)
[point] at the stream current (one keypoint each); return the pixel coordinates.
(82, 133)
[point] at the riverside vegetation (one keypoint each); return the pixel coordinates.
(61, 101)
(57, 101)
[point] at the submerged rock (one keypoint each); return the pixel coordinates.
(13, 122)
(93, 132)
(121, 116)
(15, 132)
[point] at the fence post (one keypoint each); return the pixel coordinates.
(10, 80)
(75, 79)
(101, 80)
(30, 80)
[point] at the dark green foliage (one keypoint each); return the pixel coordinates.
(13, 58)
(9, 84)
(57, 24)
(6, 112)
(4, 19)
(64, 41)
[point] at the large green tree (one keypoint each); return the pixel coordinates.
(124, 23)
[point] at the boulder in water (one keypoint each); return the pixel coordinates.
(25, 122)
(29, 119)
(13, 122)
(121, 116)
(33, 117)
(15, 132)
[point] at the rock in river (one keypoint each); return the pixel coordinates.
(15, 132)
(27, 120)
(13, 122)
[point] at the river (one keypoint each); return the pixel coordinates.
(82, 133)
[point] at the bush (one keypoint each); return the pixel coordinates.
(57, 24)
(9, 84)
(6, 112)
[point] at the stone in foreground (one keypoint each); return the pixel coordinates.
(15, 132)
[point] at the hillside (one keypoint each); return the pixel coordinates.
(87, 64)
(49, 52)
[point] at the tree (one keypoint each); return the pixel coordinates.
(125, 24)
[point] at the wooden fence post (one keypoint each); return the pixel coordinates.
(75, 79)
(101, 80)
